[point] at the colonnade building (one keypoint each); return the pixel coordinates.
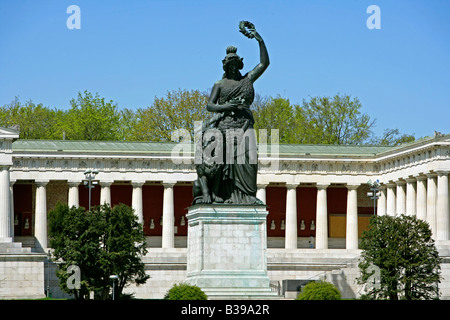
(316, 196)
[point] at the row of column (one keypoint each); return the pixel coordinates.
(321, 216)
(168, 212)
(40, 230)
(425, 196)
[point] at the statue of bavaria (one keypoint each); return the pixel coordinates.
(228, 168)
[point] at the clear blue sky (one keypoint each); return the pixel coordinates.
(132, 51)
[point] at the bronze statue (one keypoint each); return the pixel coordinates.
(231, 177)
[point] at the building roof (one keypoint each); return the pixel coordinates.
(8, 133)
(166, 147)
(322, 149)
(137, 147)
(91, 146)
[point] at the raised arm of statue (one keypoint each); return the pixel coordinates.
(264, 56)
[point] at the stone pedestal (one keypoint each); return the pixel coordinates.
(21, 271)
(227, 251)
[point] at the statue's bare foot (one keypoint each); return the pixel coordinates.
(206, 198)
(217, 199)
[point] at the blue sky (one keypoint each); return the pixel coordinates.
(132, 51)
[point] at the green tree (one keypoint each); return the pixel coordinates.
(392, 137)
(321, 120)
(178, 110)
(400, 254)
(100, 242)
(34, 121)
(275, 113)
(91, 118)
(319, 290)
(124, 245)
(128, 122)
(336, 120)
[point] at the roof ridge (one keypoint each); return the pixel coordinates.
(90, 141)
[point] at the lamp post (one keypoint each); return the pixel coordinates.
(90, 182)
(114, 278)
(49, 258)
(375, 193)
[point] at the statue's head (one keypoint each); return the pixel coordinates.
(232, 60)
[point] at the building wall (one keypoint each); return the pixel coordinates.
(22, 276)
(396, 167)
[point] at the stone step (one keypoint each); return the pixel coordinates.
(27, 241)
(443, 247)
(331, 257)
(241, 293)
(13, 248)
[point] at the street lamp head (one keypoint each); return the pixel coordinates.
(114, 277)
(374, 184)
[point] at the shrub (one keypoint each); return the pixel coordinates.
(185, 291)
(319, 291)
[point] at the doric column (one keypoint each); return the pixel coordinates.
(105, 192)
(261, 192)
(421, 209)
(136, 201)
(401, 197)
(73, 198)
(11, 207)
(5, 205)
(321, 218)
(352, 218)
(7, 137)
(391, 200)
(168, 236)
(291, 217)
(410, 197)
(442, 206)
(40, 224)
(382, 201)
(431, 202)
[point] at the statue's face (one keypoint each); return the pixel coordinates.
(234, 66)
